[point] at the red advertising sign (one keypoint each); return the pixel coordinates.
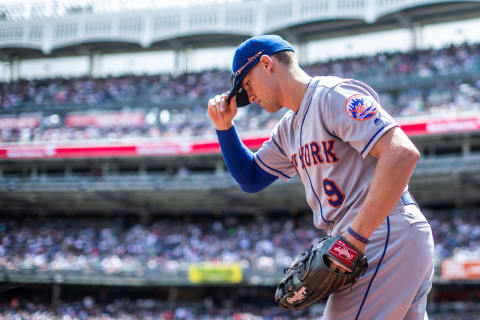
(110, 119)
(451, 269)
(19, 122)
(441, 126)
(192, 147)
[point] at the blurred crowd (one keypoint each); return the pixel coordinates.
(110, 246)
(128, 90)
(397, 77)
(268, 243)
(124, 309)
(157, 123)
(124, 244)
(443, 99)
(456, 234)
(150, 309)
(152, 90)
(261, 243)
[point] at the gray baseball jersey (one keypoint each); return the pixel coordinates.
(327, 143)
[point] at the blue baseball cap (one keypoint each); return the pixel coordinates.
(247, 55)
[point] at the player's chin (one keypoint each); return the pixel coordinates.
(271, 109)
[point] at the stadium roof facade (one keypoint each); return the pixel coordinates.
(18, 10)
(60, 28)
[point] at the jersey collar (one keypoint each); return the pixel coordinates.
(307, 98)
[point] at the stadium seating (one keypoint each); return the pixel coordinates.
(106, 246)
(428, 82)
(431, 82)
(126, 246)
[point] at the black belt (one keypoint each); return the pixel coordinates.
(407, 199)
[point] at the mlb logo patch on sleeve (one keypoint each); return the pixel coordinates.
(360, 107)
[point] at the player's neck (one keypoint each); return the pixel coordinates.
(294, 89)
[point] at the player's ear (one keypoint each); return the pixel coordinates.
(266, 62)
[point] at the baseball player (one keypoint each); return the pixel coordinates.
(355, 163)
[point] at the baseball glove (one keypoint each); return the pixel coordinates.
(309, 278)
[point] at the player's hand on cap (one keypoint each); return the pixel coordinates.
(221, 112)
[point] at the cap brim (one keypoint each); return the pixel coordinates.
(241, 96)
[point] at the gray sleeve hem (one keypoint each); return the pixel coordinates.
(369, 146)
(270, 170)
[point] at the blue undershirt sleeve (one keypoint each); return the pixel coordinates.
(239, 161)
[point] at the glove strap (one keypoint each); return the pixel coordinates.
(357, 236)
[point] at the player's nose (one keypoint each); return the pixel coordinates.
(251, 98)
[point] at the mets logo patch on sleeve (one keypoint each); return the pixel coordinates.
(360, 107)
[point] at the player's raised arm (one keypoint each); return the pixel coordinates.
(238, 158)
(222, 109)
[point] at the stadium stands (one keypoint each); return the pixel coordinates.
(427, 82)
(106, 246)
(124, 245)
(126, 309)
(436, 82)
